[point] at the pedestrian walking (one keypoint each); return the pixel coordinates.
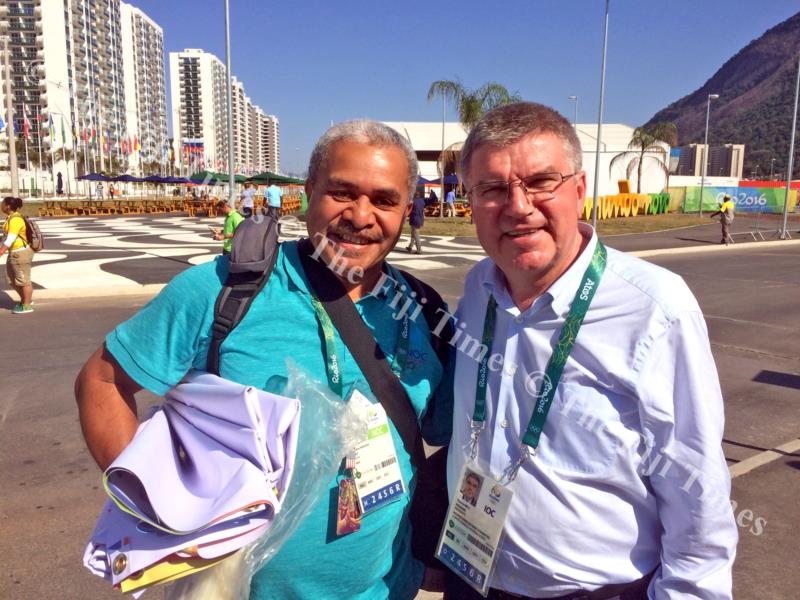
(233, 218)
(20, 254)
(416, 218)
(725, 212)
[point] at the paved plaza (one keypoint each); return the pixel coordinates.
(96, 272)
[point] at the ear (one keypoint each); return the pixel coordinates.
(409, 206)
(580, 192)
(309, 188)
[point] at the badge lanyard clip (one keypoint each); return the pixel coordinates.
(476, 428)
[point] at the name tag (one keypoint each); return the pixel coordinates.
(474, 528)
(377, 472)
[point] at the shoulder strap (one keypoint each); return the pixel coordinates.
(366, 351)
(254, 251)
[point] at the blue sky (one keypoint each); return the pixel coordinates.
(310, 62)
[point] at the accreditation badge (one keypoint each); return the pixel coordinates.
(474, 528)
(377, 473)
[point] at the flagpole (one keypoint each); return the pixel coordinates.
(100, 132)
(51, 127)
(39, 162)
(64, 154)
(26, 130)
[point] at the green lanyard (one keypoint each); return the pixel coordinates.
(333, 365)
(555, 366)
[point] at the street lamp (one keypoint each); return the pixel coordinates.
(600, 121)
(575, 120)
(705, 149)
(771, 168)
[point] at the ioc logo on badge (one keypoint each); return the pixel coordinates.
(489, 510)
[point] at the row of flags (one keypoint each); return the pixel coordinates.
(91, 136)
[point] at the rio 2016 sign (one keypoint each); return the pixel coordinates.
(765, 200)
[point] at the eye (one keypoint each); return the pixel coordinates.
(497, 188)
(341, 195)
(384, 201)
(541, 182)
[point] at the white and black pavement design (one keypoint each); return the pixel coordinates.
(101, 252)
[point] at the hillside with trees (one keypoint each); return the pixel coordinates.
(756, 103)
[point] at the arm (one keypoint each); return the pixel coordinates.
(682, 416)
(106, 406)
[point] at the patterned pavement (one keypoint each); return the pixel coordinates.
(94, 252)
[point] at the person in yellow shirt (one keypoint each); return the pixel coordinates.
(20, 255)
(725, 212)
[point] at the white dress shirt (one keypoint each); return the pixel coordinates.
(629, 475)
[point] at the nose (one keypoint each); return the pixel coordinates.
(360, 213)
(518, 203)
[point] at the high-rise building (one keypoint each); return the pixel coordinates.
(199, 118)
(726, 160)
(69, 65)
(145, 84)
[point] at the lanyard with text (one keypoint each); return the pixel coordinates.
(555, 366)
(333, 365)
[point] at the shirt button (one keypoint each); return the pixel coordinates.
(519, 319)
(498, 476)
(504, 423)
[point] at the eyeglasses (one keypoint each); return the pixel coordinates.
(539, 187)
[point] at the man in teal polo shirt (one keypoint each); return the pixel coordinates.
(361, 176)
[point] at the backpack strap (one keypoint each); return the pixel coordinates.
(253, 254)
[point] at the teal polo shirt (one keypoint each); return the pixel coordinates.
(171, 335)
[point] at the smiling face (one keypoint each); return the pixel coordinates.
(532, 244)
(359, 201)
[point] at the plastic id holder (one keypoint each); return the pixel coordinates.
(473, 529)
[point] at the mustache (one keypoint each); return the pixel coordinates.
(346, 231)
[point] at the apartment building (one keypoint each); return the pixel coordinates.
(199, 118)
(94, 69)
(145, 84)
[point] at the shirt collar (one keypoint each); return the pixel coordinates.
(560, 294)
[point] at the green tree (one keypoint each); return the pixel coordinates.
(471, 105)
(645, 145)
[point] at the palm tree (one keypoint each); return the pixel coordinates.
(645, 145)
(471, 106)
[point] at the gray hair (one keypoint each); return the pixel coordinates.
(364, 131)
(507, 124)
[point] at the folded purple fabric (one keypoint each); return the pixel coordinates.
(208, 469)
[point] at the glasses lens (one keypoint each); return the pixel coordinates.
(542, 182)
(492, 193)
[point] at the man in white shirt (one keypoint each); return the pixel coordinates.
(585, 384)
(248, 196)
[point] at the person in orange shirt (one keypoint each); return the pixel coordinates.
(20, 254)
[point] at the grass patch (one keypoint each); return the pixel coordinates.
(645, 223)
(461, 227)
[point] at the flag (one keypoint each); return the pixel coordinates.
(25, 124)
(51, 128)
(63, 135)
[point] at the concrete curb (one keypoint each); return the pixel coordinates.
(712, 248)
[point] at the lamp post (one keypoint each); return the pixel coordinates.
(771, 168)
(705, 150)
(575, 120)
(600, 120)
(783, 232)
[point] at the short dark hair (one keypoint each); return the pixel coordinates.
(13, 202)
(221, 204)
(507, 124)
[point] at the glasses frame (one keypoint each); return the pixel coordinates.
(529, 194)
